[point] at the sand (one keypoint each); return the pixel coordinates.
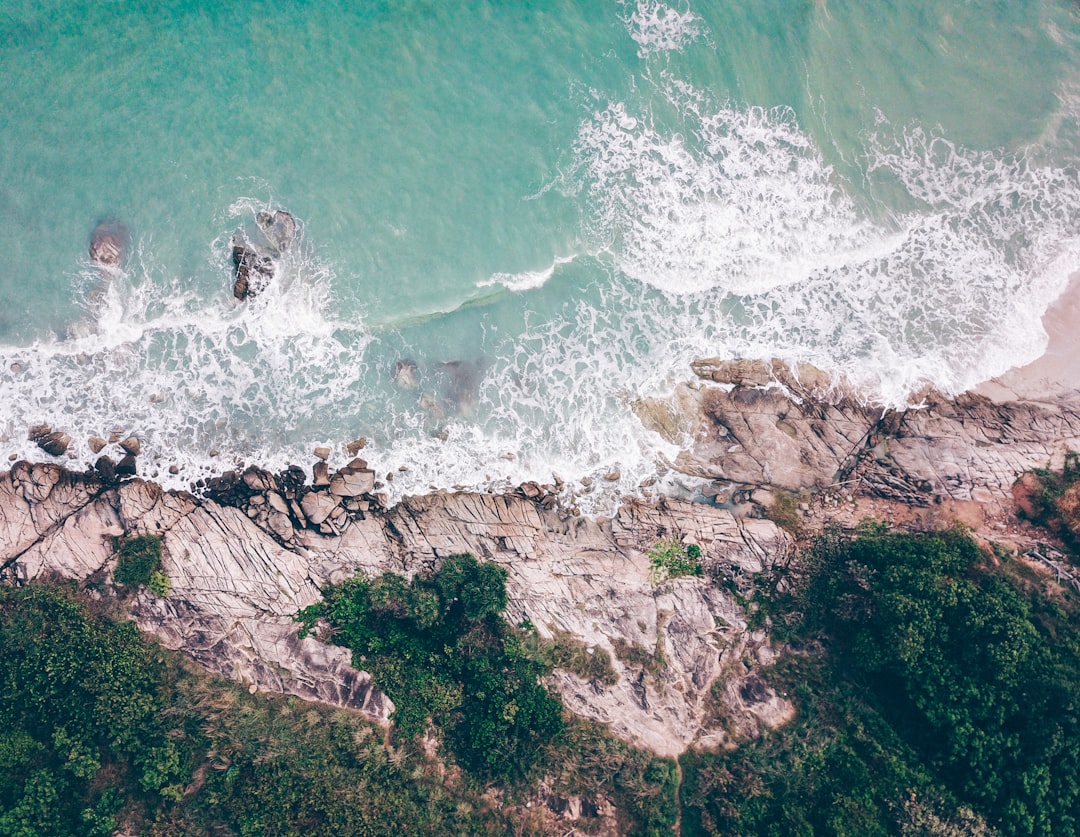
(1057, 371)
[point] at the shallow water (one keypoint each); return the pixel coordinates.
(549, 208)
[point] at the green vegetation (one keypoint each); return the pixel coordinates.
(102, 730)
(671, 559)
(1052, 499)
(138, 562)
(947, 701)
(440, 649)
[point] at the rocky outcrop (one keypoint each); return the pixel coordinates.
(252, 270)
(795, 429)
(108, 244)
(259, 547)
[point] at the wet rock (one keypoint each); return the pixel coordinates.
(106, 469)
(108, 244)
(352, 482)
(174, 470)
(96, 444)
(131, 445)
(320, 473)
(405, 374)
(356, 445)
(126, 467)
(252, 270)
(259, 480)
(53, 442)
(322, 453)
(279, 227)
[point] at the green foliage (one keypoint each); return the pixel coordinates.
(838, 769)
(79, 701)
(159, 584)
(983, 680)
(671, 559)
(137, 559)
(102, 730)
(440, 649)
(948, 699)
(633, 655)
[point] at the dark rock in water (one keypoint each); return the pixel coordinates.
(126, 467)
(131, 445)
(108, 244)
(252, 271)
(279, 227)
(106, 469)
(52, 442)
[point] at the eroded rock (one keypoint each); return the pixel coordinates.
(108, 244)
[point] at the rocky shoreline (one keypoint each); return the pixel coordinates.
(257, 546)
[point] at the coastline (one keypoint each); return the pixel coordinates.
(1056, 372)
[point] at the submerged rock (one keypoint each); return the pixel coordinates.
(279, 227)
(108, 244)
(405, 374)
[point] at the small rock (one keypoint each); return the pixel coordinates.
(96, 444)
(114, 437)
(612, 476)
(215, 452)
(12, 457)
(108, 243)
(174, 470)
(322, 453)
(52, 442)
(131, 445)
(530, 490)
(126, 467)
(357, 464)
(356, 445)
(252, 689)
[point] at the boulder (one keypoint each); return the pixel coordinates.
(106, 469)
(317, 506)
(320, 473)
(252, 270)
(352, 482)
(96, 444)
(131, 445)
(322, 453)
(108, 244)
(53, 442)
(279, 227)
(126, 467)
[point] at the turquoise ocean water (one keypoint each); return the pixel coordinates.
(548, 207)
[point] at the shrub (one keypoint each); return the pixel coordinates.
(671, 559)
(137, 559)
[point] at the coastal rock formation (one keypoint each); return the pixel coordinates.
(252, 270)
(260, 546)
(797, 430)
(242, 564)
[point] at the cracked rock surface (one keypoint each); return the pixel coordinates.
(242, 565)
